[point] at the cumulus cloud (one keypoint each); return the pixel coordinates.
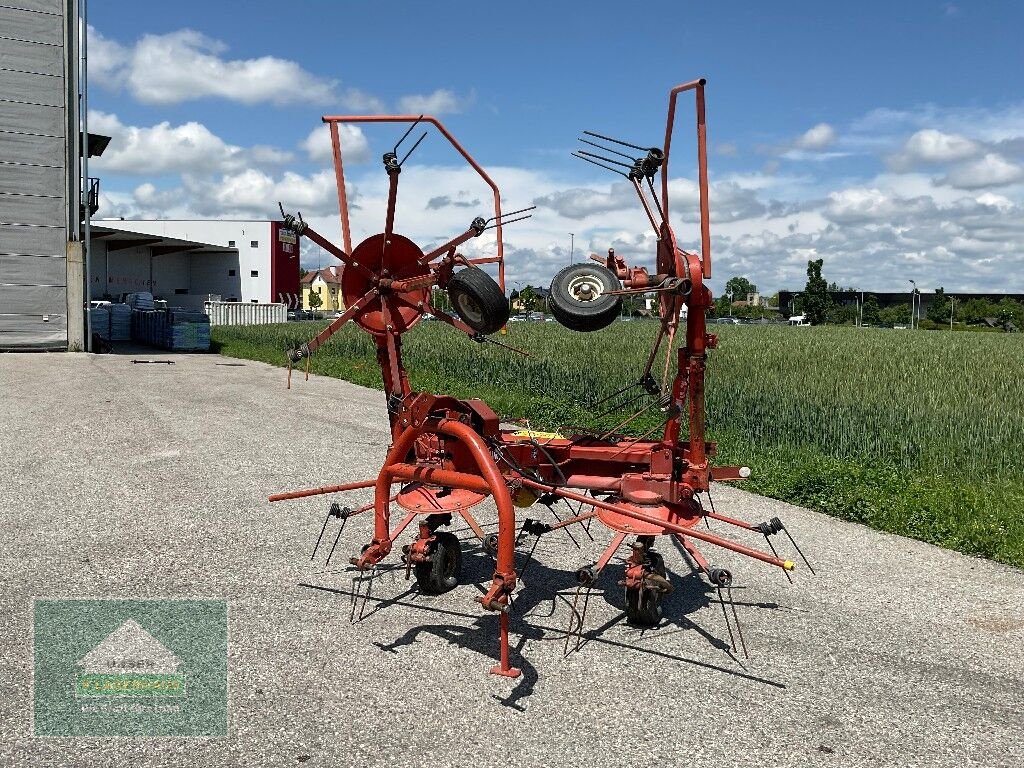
(933, 146)
(579, 203)
(462, 200)
(819, 137)
(442, 101)
(354, 146)
(165, 148)
(992, 170)
(108, 60)
(858, 205)
(185, 65)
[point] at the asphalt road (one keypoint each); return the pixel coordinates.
(122, 480)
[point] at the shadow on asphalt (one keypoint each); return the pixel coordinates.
(540, 600)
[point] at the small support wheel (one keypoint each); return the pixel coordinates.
(478, 300)
(442, 572)
(579, 297)
(643, 606)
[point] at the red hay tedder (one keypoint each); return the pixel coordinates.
(448, 455)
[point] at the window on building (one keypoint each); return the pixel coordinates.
(231, 243)
(232, 272)
(254, 243)
(180, 291)
(318, 288)
(254, 273)
(255, 301)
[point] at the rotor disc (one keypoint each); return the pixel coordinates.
(399, 259)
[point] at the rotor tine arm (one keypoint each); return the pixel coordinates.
(454, 322)
(392, 350)
(476, 228)
(389, 220)
(654, 197)
(311, 346)
(647, 208)
(335, 251)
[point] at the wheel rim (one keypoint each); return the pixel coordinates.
(449, 563)
(469, 309)
(585, 288)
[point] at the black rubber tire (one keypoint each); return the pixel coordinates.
(442, 573)
(579, 310)
(478, 300)
(643, 606)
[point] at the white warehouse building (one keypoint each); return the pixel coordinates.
(185, 262)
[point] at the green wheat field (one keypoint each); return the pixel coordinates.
(913, 432)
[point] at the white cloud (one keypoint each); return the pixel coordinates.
(360, 102)
(819, 137)
(992, 170)
(185, 65)
(441, 101)
(164, 148)
(354, 146)
(107, 60)
(933, 146)
(858, 205)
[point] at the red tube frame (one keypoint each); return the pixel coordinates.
(339, 175)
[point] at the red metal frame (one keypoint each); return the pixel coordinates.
(648, 486)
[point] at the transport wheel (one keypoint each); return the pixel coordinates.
(478, 300)
(579, 298)
(643, 606)
(442, 573)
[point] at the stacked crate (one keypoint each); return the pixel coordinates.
(178, 330)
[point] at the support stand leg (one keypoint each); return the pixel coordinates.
(504, 668)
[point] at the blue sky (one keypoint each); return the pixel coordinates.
(886, 138)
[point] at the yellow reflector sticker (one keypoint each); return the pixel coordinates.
(527, 434)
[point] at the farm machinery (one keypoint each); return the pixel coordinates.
(448, 455)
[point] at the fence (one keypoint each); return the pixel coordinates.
(242, 313)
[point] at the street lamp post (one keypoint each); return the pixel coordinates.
(913, 298)
(794, 303)
(952, 302)
(730, 302)
(572, 245)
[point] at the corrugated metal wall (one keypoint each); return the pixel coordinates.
(34, 184)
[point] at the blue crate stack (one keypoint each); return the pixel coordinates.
(120, 322)
(99, 321)
(178, 330)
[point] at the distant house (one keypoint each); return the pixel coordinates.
(540, 293)
(326, 283)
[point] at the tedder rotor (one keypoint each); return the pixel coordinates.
(447, 455)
